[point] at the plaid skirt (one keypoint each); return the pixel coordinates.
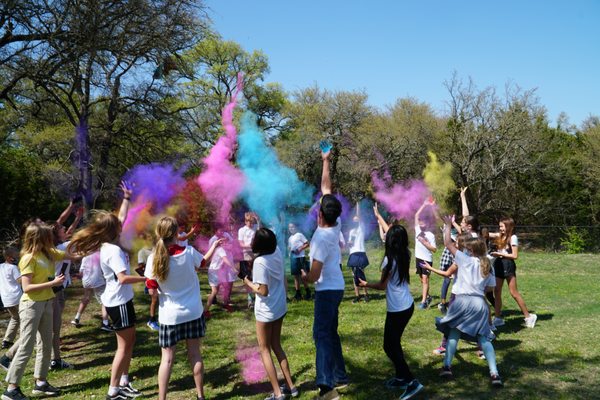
(169, 335)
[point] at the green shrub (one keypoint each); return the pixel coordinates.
(574, 241)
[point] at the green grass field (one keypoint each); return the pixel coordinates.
(559, 359)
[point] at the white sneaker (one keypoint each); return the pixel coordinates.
(530, 321)
(497, 322)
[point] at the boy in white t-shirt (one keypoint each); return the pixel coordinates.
(245, 237)
(325, 272)
(10, 291)
(424, 249)
(297, 243)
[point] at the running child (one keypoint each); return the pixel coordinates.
(245, 237)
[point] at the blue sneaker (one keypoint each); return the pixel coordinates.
(396, 383)
(423, 306)
(413, 388)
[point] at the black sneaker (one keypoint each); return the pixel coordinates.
(14, 395)
(5, 362)
(396, 383)
(355, 300)
(46, 389)
(307, 295)
(106, 327)
(60, 364)
(6, 344)
(129, 391)
(413, 388)
(297, 296)
(446, 372)
(293, 392)
(496, 381)
(120, 395)
(75, 322)
(366, 298)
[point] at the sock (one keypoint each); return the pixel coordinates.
(124, 380)
(40, 382)
(323, 389)
(78, 316)
(105, 321)
(113, 390)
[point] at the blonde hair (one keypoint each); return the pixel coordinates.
(166, 231)
(478, 249)
(105, 227)
(38, 238)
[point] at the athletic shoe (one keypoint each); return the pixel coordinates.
(60, 364)
(480, 354)
(331, 395)
(366, 298)
(440, 351)
(250, 304)
(46, 389)
(355, 300)
(129, 391)
(396, 383)
(343, 384)
(428, 300)
(293, 392)
(413, 388)
(273, 397)
(120, 395)
(423, 306)
(5, 362)
(298, 296)
(446, 372)
(497, 322)
(106, 327)
(530, 321)
(496, 381)
(307, 295)
(14, 395)
(153, 325)
(443, 308)
(6, 344)
(76, 323)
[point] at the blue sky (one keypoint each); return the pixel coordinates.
(394, 49)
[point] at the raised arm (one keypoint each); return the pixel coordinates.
(382, 224)
(78, 216)
(125, 203)
(418, 213)
(448, 220)
(212, 248)
(463, 201)
(65, 214)
(325, 177)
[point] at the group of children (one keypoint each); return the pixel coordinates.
(33, 293)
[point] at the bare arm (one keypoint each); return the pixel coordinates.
(65, 214)
(381, 285)
(382, 224)
(125, 279)
(513, 256)
(447, 273)
(325, 177)
(314, 274)
(259, 288)
(463, 201)
(125, 203)
(418, 213)
(29, 287)
(448, 220)
(78, 216)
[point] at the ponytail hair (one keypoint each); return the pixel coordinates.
(166, 232)
(105, 227)
(478, 249)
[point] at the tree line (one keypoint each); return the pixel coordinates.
(89, 89)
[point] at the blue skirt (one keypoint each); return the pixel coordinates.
(358, 260)
(470, 315)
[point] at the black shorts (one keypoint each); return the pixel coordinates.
(420, 270)
(504, 268)
(169, 335)
(297, 264)
(123, 316)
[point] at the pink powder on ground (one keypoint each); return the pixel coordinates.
(253, 370)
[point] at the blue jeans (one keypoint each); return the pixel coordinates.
(330, 362)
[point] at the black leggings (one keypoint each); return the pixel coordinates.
(395, 322)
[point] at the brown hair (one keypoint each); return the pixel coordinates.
(478, 249)
(105, 227)
(166, 231)
(461, 239)
(509, 225)
(38, 238)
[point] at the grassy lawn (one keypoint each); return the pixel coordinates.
(559, 359)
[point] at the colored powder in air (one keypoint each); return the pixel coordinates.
(253, 370)
(367, 217)
(157, 184)
(220, 181)
(402, 200)
(138, 219)
(438, 177)
(270, 185)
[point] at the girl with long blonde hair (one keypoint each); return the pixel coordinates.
(103, 234)
(172, 273)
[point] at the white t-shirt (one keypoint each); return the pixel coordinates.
(325, 247)
(114, 260)
(245, 236)
(10, 288)
(214, 238)
(422, 252)
(58, 265)
(397, 296)
(179, 298)
(218, 271)
(296, 241)
(91, 272)
(468, 278)
(269, 270)
(514, 242)
(143, 254)
(356, 238)
(342, 241)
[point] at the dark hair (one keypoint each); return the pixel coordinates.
(397, 252)
(264, 242)
(473, 221)
(331, 208)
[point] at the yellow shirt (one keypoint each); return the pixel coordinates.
(41, 269)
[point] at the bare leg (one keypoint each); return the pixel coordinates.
(279, 353)
(263, 335)
(514, 292)
(498, 297)
(120, 364)
(197, 364)
(214, 290)
(425, 283)
(164, 371)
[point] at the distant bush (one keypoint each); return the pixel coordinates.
(574, 241)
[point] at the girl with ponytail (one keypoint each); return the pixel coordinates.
(172, 273)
